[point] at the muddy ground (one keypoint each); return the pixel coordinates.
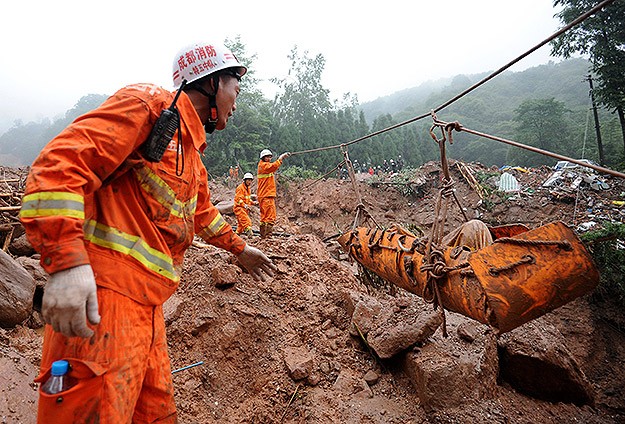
(247, 334)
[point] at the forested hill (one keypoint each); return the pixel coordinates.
(554, 96)
(512, 105)
(563, 81)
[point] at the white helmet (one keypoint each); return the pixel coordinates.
(200, 59)
(248, 176)
(265, 152)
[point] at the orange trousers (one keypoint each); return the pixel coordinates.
(122, 372)
(267, 210)
(243, 219)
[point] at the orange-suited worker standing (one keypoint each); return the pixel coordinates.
(112, 220)
(243, 199)
(267, 190)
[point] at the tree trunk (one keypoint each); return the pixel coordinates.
(597, 127)
(621, 118)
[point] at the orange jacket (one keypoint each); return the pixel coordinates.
(242, 196)
(266, 179)
(91, 198)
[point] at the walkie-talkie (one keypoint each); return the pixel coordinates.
(163, 131)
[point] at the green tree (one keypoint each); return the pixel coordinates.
(305, 116)
(542, 123)
(602, 38)
(303, 96)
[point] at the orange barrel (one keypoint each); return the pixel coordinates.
(506, 284)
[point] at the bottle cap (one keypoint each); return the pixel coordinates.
(59, 367)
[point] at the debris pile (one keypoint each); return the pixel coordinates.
(321, 343)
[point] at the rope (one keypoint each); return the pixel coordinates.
(543, 152)
(433, 259)
(337, 167)
(564, 244)
(527, 259)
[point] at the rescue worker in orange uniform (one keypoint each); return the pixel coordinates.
(243, 199)
(267, 190)
(112, 228)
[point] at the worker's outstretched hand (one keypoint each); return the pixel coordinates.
(257, 263)
(284, 155)
(69, 298)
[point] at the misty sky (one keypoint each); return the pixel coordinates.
(55, 52)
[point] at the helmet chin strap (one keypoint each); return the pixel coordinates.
(211, 122)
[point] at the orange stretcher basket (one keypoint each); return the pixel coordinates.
(524, 274)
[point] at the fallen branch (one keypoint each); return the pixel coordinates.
(10, 208)
(470, 179)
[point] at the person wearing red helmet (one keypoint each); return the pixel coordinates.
(112, 228)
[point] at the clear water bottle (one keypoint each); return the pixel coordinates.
(59, 380)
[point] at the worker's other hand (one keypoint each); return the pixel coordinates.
(257, 263)
(69, 298)
(284, 155)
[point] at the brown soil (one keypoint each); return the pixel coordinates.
(242, 330)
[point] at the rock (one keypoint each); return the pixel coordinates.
(172, 308)
(394, 336)
(371, 377)
(468, 331)
(21, 247)
(225, 207)
(34, 268)
(203, 321)
(17, 287)
(313, 379)
(365, 314)
(364, 390)
(225, 275)
(299, 362)
(351, 299)
(404, 302)
(448, 373)
(326, 324)
(535, 361)
(392, 325)
(347, 383)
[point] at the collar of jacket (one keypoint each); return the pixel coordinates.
(192, 121)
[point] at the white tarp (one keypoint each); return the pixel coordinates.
(508, 183)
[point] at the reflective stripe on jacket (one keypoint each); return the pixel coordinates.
(91, 198)
(266, 179)
(242, 196)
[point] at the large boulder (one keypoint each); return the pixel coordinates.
(225, 207)
(20, 246)
(18, 288)
(534, 360)
(390, 326)
(457, 370)
(406, 327)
